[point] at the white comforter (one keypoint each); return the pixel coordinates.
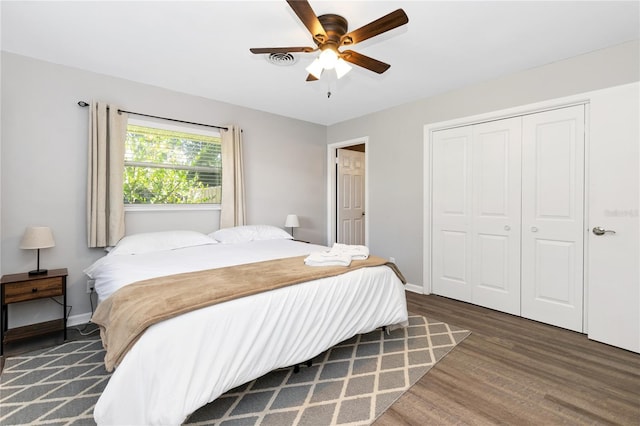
(183, 363)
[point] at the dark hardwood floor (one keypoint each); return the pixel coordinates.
(515, 371)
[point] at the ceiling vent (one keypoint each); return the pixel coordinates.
(282, 59)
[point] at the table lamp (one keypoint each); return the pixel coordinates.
(292, 222)
(37, 237)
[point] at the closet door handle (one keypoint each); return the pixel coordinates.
(507, 228)
(534, 229)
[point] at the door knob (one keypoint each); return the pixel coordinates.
(598, 230)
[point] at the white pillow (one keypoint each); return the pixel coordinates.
(243, 234)
(159, 241)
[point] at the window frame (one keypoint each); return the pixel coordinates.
(184, 128)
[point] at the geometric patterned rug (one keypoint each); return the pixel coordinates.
(58, 385)
(353, 382)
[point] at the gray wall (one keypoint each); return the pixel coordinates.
(44, 156)
(396, 139)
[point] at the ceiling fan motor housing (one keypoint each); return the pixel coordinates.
(335, 26)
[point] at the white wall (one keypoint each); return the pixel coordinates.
(396, 139)
(44, 154)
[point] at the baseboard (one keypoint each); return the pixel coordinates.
(414, 288)
(79, 319)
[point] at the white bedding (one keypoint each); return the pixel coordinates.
(183, 363)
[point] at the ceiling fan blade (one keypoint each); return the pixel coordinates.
(311, 77)
(372, 29)
(261, 50)
(303, 9)
(364, 61)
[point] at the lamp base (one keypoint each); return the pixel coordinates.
(38, 272)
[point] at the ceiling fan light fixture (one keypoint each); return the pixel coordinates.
(328, 58)
(342, 68)
(315, 69)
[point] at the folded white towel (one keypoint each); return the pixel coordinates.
(357, 252)
(324, 258)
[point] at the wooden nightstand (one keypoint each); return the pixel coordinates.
(23, 287)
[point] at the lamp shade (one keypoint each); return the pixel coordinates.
(328, 58)
(342, 68)
(37, 237)
(292, 221)
(315, 69)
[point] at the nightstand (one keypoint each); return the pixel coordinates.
(24, 287)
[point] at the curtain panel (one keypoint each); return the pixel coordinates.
(105, 197)
(233, 201)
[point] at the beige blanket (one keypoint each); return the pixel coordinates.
(125, 315)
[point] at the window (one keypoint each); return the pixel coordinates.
(167, 164)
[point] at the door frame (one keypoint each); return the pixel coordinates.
(331, 186)
(429, 129)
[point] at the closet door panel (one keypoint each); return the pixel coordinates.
(496, 215)
(451, 178)
(552, 217)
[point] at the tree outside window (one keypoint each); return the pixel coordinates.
(171, 166)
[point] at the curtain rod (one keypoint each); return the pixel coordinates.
(84, 104)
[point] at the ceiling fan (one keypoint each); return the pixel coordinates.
(329, 33)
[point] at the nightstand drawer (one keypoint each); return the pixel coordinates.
(23, 287)
(30, 290)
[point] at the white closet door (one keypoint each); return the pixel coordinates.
(552, 217)
(495, 225)
(451, 213)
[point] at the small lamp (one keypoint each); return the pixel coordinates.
(292, 222)
(37, 237)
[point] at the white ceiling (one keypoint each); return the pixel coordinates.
(202, 47)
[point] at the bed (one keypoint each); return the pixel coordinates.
(180, 364)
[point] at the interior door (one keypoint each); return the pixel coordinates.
(614, 205)
(350, 197)
(451, 213)
(495, 225)
(552, 217)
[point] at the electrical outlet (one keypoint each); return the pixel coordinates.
(392, 259)
(91, 286)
